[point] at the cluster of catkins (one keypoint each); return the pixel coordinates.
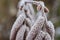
(31, 26)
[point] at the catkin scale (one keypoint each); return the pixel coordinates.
(50, 29)
(28, 22)
(42, 36)
(47, 36)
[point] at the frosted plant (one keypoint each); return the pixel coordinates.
(31, 26)
(18, 23)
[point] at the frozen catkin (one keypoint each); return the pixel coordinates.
(29, 12)
(28, 9)
(29, 6)
(17, 24)
(20, 33)
(22, 5)
(49, 25)
(34, 29)
(42, 36)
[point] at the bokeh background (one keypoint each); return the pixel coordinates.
(8, 11)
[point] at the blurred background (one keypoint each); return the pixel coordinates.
(8, 11)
